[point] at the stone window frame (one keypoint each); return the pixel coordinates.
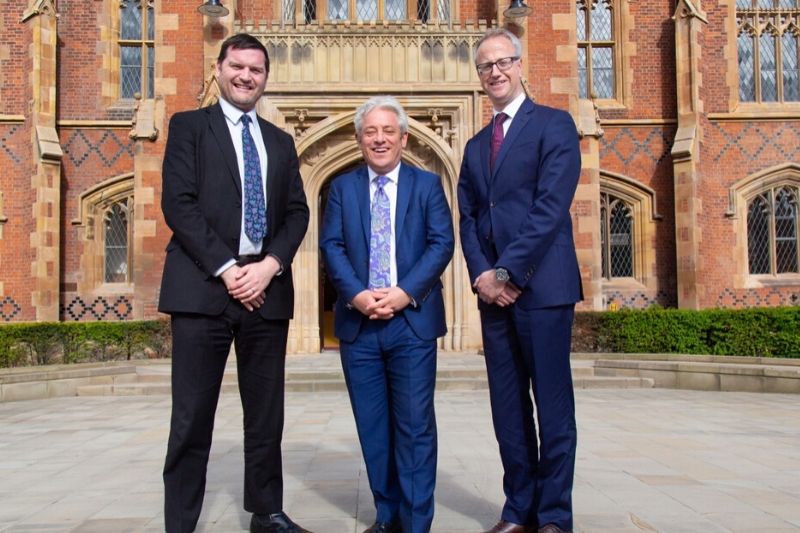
(642, 201)
(623, 50)
(316, 11)
(740, 195)
(736, 25)
(93, 206)
(109, 25)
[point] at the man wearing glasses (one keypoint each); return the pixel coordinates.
(518, 179)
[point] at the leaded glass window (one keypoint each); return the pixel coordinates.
(116, 226)
(380, 10)
(596, 48)
(136, 48)
(772, 231)
(616, 236)
(768, 44)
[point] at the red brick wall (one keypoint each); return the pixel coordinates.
(15, 169)
(79, 64)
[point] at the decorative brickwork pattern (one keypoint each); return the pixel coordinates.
(9, 309)
(629, 146)
(8, 143)
(746, 298)
(101, 308)
(752, 141)
(105, 144)
(640, 300)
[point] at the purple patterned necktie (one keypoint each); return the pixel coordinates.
(497, 137)
(255, 209)
(380, 237)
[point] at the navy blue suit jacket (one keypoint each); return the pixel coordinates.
(517, 217)
(424, 245)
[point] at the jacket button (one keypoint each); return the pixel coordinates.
(492, 204)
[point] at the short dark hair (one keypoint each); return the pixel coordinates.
(242, 41)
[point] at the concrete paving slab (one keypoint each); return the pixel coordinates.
(648, 460)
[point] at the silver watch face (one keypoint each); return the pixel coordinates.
(501, 274)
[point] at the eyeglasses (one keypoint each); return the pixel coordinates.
(502, 64)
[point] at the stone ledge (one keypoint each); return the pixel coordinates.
(710, 373)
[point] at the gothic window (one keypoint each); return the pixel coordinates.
(773, 226)
(136, 48)
(105, 219)
(116, 240)
(768, 43)
(598, 63)
(616, 236)
(367, 10)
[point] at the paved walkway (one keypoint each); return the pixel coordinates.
(648, 460)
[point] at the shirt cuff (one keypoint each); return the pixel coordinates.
(280, 264)
(224, 267)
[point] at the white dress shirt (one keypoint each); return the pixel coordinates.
(233, 119)
(391, 191)
(510, 110)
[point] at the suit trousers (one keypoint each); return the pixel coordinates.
(391, 376)
(199, 352)
(529, 349)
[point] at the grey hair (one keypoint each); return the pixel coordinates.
(387, 102)
(500, 32)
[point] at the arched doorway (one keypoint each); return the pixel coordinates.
(327, 293)
(327, 148)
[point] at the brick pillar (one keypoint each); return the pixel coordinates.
(46, 179)
(689, 22)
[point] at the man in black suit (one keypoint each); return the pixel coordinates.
(233, 198)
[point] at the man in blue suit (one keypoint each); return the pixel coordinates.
(518, 178)
(386, 238)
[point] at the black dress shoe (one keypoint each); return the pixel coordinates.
(274, 523)
(552, 528)
(384, 527)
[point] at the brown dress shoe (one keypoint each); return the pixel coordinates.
(508, 527)
(552, 528)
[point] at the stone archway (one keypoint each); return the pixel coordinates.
(325, 149)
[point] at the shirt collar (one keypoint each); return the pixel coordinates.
(393, 175)
(513, 106)
(234, 114)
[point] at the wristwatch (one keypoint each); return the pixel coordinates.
(501, 274)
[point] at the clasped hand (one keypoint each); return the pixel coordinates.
(381, 304)
(248, 283)
(491, 291)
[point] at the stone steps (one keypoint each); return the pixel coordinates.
(155, 379)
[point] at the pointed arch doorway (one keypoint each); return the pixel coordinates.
(327, 148)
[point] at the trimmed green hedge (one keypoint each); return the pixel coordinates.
(71, 342)
(762, 332)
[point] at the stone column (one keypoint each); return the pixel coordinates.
(46, 179)
(586, 207)
(689, 21)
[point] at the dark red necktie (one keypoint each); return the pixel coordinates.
(497, 137)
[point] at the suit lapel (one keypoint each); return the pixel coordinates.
(405, 183)
(484, 145)
(272, 159)
(361, 186)
(517, 125)
(219, 128)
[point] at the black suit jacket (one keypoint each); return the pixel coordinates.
(202, 205)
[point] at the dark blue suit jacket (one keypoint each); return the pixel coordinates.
(423, 243)
(517, 217)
